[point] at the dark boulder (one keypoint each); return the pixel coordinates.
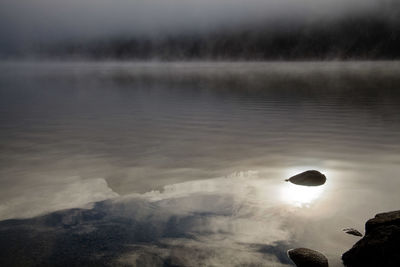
(380, 245)
(304, 257)
(308, 178)
(382, 219)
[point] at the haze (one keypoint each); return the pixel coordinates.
(24, 23)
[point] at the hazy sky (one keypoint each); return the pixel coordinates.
(24, 21)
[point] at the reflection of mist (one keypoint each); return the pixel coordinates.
(51, 196)
(224, 221)
(211, 222)
(150, 126)
(240, 219)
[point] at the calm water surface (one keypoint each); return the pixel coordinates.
(206, 145)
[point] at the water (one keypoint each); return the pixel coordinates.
(208, 141)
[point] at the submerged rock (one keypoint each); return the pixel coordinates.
(308, 178)
(380, 245)
(352, 231)
(304, 257)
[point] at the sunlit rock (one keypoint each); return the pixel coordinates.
(308, 178)
(352, 231)
(380, 245)
(304, 257)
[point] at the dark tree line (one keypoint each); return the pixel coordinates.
(357, 37)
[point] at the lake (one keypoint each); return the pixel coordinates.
(183, 164)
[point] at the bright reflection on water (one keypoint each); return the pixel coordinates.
(304, 196)
(301, 196)
(192, 158)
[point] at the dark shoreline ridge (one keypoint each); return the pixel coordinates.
(362, 37)
(375, 35)
(380, 245)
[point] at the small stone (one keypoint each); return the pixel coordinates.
(308, 178)
(304, 257)
(352, 231)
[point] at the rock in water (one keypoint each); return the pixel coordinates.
(308, 178)
(352, 231)
(380, 245)
(304, 257)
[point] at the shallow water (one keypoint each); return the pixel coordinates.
(212, 142)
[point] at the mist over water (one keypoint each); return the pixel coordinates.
(66, 19)
(189, 158)
(199, 29)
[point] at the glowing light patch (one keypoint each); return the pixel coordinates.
(301, 196)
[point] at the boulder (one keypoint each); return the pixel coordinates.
(304, 257)
(308, 178)
(380, 245)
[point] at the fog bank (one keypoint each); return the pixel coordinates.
(24, 24)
